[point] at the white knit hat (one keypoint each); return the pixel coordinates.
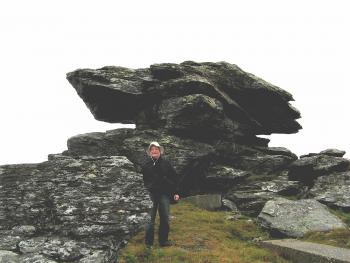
(161, 148)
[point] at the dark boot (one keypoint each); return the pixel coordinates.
(167, 243)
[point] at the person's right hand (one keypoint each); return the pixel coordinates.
(176, 197)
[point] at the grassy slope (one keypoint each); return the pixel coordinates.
(203, 236)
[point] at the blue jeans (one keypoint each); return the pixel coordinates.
(161, 202)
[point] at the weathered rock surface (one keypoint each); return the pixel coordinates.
(283, 217)
(333, 190)
(70, 209)
(331, 152)
(277, 151)
(250, 202)
(133, 143)
(308, 168)
(238, 102)
(197, 116)
(8, 256)
(251, 196)
(230, 206)
(221, 177)
(203, 166)
(264, 163)
(282, 186)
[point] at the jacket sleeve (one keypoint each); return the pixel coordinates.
(172, 178)
(146, 177)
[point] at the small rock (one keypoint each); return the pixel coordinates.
(333, 152)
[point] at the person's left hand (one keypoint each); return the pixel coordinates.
(176, 197)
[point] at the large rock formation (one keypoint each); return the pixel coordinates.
(83, 204)
(70, 209)
(308, 168)
(333, 190)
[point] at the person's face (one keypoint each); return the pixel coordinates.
(155, 152)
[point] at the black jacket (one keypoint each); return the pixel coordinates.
(160, 177)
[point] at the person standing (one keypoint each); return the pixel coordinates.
(161, 180)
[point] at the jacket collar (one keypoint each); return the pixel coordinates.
(154, 161)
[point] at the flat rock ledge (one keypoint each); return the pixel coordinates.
(306, 252)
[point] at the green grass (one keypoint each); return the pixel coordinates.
(202, 236)
(342, 215)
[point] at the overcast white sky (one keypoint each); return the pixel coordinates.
(300, 46)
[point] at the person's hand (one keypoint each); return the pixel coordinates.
(176, 197)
